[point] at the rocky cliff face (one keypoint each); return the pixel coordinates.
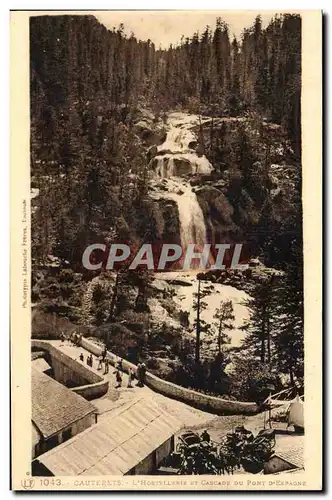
(235, 192)
(151, 131)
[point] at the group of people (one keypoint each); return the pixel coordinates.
(75, 338)
(141, 370)
(118, 375)
(140, 374)
(103, 361)
(89, 360)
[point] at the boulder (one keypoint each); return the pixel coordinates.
(160, 136)
(182, 166)
(216, 204)
(163, 152)
(199, 179)
(200, 149)
(146, 115)
(151, 152)
(209, 193)
(193, 145)
(150, 134)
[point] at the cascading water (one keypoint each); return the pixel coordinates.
(191, 218)
(175, 160)
(171, 170)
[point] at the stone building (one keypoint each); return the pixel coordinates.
(287, 457)
(133, 440)
(58, 413)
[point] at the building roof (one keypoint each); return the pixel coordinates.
(115, 445)
(35, 435)
(41, 365)
(293, 456)
(54, 407)
(37, 354)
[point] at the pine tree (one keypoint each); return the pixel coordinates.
(288, 337)
(258, 328)
(199, 324)
(224, 317)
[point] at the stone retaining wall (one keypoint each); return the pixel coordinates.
(199, 400)
(96, 385)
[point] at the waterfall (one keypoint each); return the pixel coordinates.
(191, 218)
(175, 160)
(179, 165)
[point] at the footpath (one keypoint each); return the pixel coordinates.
(116, 397)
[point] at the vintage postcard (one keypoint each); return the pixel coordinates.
(166, 226)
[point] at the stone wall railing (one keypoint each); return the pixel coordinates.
(97, 385)
(199, 400)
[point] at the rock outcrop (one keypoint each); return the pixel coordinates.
(151, 133)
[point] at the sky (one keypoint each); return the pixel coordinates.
(165, 27)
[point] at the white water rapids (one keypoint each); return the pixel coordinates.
(176, 160)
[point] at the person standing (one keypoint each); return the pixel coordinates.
(139, 375)
(131, 377)
(100, 363)
(205, 436)
(143, 371)
(106, 366)
(118, 378)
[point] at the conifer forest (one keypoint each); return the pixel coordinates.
(198, 142)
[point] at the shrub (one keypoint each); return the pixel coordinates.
(50, 326)
(249, 380)
(120, 340)
(152, 364)
(66, 276)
